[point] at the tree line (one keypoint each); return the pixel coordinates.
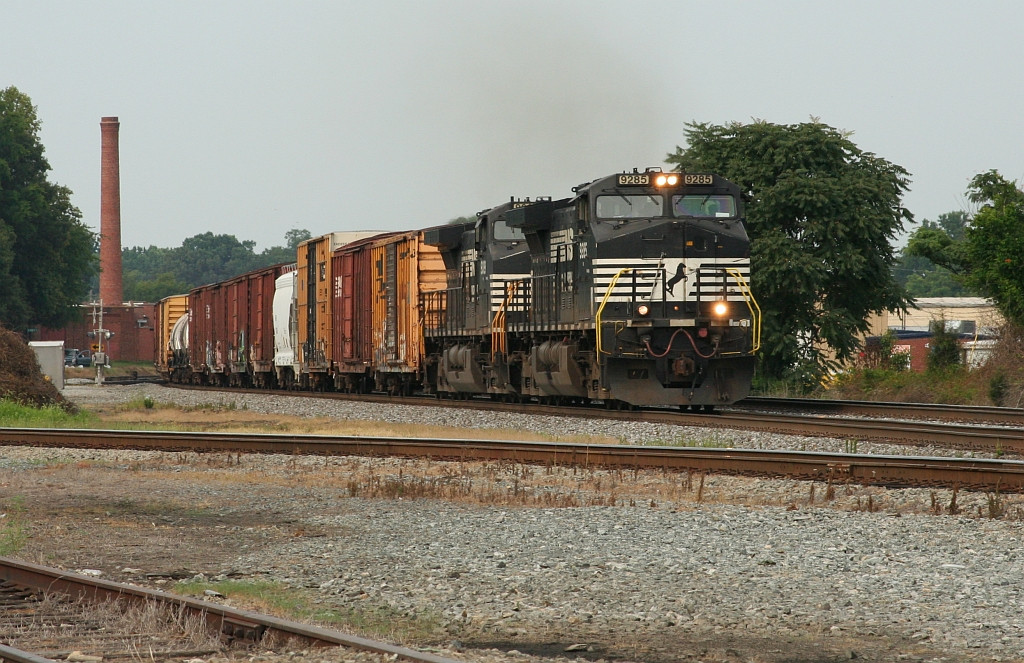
(151, 273)
(822, 215)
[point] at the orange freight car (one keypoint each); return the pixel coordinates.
(168, 311)
(403, 268)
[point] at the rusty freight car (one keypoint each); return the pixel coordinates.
(404, 267)
(351, 310)
(313, 293)
(231, 330)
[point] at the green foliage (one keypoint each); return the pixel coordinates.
(938, 247)
(152, 273)
(47, 255)
(13, 530)
(888, 359)
(16, 415)
(934, 281)
(950, 385)
(998, 388)
(821, 217)
(919, 274)
(943, 349)
(954, 224)
(995, 243)
(988, 255)
(294, 237)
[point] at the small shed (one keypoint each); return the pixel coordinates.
(50, 355)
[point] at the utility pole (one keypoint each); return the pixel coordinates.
(99, 358)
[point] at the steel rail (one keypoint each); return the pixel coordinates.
(995, 439)
(12, 655)
(232, 624)
(893, 471)
(988, 437)
(937, 411)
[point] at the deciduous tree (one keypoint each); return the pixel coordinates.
(988, 256)
(920, 275)
(994, 243)
(47, 255)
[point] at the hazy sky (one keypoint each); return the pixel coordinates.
(252, 118)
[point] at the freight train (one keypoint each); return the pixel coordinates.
(633, 291)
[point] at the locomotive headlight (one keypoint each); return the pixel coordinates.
(673, 180)
(660, 180)
(720, 308)
(666, 179)
(643, 310)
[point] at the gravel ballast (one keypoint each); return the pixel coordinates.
(737, 570)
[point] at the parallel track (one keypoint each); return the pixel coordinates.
(1010, 416)
(976, 414)
(982, 435)
(231, 624)
(893, 471)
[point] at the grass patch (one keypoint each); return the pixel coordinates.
(302, 605)
(13, 530)
(15, 415)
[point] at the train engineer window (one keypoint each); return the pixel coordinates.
(622, 206)
(704, 206)
(504, 232)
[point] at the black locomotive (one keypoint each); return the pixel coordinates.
(635, 290)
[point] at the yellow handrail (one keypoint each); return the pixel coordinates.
(600, 309)
(744, 287)
(499, 333)
(755, 316)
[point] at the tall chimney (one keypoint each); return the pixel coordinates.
(111, 288)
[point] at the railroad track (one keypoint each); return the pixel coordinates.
(41, 609)
(990, 475)
(974, 414)
(936, 411)
(981, 435)
(947, 431)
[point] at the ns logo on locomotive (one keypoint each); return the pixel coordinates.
(634, 290)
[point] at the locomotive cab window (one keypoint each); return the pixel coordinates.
(704, 206)
(505, 233)
(621, 206)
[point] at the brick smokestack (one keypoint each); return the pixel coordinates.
(111, 288)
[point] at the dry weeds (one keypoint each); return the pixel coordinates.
(491, 483)
(229, 420)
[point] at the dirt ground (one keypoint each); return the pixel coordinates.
(155, 522)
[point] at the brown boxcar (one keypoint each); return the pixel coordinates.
(251, 302)
(168, 311)
(231, 329)
(403, 268)
(351, 307)
(313, 295)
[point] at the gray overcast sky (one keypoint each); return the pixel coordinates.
(251, 118)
